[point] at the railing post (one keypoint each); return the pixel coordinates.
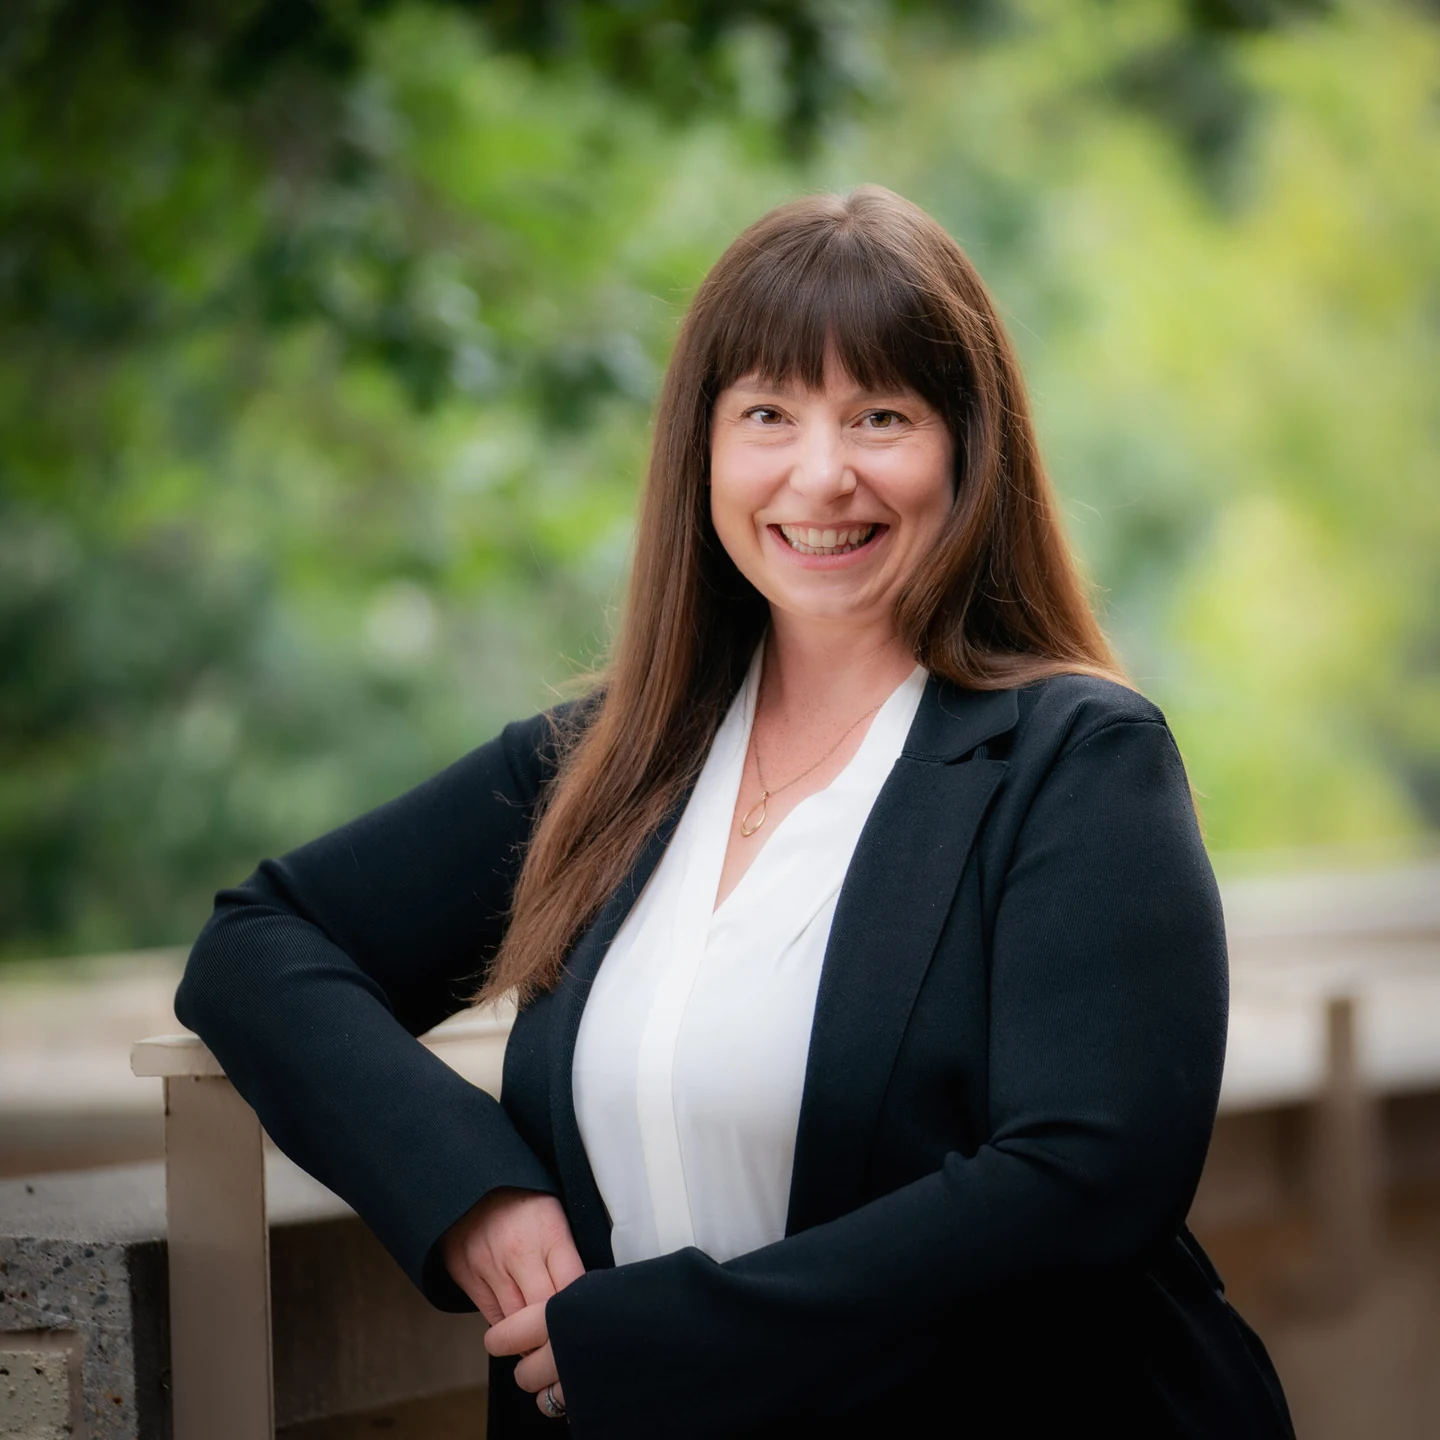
(1346, 1173)
(221, 1347)
(219, 1247)
(222, 1384)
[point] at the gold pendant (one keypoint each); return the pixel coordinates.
(745, 827)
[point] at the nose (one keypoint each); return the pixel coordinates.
(822, 470)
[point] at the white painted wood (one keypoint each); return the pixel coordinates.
(222, 1358)
(469, 1042)
(169, 1055)
(222, 1375)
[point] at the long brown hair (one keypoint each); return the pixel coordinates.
(997, 603)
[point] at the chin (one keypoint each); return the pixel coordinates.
(805, 608)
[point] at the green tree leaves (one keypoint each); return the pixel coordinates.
(330, 334)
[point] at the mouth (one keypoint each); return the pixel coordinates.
(832, 540)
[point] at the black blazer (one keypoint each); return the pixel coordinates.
(1010, 1089)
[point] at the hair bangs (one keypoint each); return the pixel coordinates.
(789, 303)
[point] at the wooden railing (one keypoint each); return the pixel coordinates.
(221, 1357)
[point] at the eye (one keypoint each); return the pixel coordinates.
(885, 419)
(760, 411)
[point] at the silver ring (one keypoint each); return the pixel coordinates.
(553, 1408)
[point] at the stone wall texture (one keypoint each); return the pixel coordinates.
(83, 1282)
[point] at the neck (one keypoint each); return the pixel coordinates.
(817, 668)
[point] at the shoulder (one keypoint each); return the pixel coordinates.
(1101, 753)
(1061, 713)
(533, 746)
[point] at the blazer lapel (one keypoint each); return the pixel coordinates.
(589, 1220)
(893, 904)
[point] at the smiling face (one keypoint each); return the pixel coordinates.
(828, 499)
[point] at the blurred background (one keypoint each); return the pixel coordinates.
(329, 334)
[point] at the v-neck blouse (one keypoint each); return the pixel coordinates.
(690, 1059)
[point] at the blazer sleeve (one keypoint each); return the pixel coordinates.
(1108, 1008)
(311, 980)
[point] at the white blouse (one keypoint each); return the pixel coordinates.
(690, 1059)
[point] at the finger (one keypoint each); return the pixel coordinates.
(519, 1333)
(532, 1277)
(469, 1270)
(564, 1263)
(485, 1300)
(478, 1289)
(537, 1371)
(507, 1292)
(558, 1390)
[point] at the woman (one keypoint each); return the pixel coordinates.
(884, 1112)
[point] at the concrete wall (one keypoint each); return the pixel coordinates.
(83, 1276)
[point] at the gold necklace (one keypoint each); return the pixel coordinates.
(746, 828)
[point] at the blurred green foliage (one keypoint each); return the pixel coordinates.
(330, 334)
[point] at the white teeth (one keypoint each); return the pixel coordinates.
(810, 541)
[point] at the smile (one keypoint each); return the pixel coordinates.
(808, 540)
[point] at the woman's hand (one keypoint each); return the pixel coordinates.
(510, 1251)
(524, 1333)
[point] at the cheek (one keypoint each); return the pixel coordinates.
(731, 527)
(940, 486)
(921, 487)
(735, 495)
(723, 506)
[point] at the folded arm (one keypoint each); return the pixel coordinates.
(312, 978)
